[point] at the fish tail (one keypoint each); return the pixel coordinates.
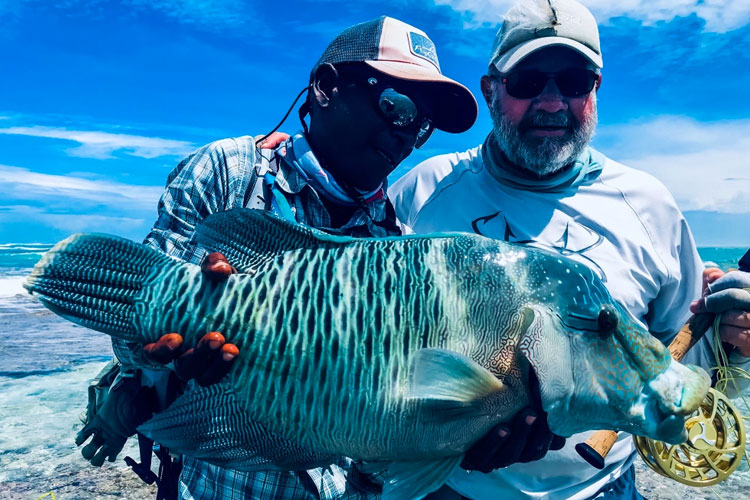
(94, 280)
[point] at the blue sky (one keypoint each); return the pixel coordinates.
(100, 99)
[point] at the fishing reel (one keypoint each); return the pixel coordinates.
(713, 450)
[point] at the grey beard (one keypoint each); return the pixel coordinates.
(543, 155)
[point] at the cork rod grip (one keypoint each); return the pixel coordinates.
(597, 447)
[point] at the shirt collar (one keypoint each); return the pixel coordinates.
(585, 168)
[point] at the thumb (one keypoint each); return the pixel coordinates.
(84, 434)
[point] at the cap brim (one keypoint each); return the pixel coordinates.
(453, 107)
(509, 60)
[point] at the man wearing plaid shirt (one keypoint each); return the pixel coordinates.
(376, 93)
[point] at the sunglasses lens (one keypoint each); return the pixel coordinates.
(401, 112)
(397, 108)
(575, 82)
(525, 84)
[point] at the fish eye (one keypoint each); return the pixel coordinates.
(607, 321)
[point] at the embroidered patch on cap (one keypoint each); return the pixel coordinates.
(423, 47)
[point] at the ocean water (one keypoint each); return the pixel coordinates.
(46, 364)
(723, 257)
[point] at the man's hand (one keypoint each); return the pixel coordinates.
(729, 295)
(207, 363)
(212, 357)
(216, 267)
(273, 140)
(526, 439)
(126, 406)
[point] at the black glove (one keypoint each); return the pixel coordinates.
(730, 292)
(527, 438)
(126, 406)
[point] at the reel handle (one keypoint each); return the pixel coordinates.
(599, 444)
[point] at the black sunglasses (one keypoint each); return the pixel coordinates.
(528, 84)
(400, 111)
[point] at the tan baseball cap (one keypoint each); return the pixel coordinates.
(404, 52)
(531, 25)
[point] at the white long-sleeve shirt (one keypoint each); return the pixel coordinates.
(622, 222)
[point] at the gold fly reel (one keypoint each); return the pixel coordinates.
(713, 450)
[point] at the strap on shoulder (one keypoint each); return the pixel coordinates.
(263, 195)
(266, 162)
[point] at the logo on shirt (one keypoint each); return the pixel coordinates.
(576, 239)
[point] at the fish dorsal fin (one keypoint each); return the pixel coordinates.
(450, 384)
(412, 480)
(250, 238)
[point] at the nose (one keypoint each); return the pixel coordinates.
(551, 99)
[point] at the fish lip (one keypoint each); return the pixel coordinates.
(680, 389)
(673, 396)
(666, 424)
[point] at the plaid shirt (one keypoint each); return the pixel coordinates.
(216, 178)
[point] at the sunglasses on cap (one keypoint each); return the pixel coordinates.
(572, 82)
(400, 111)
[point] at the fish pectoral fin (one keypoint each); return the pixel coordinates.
(449, 383)
(413, 479)
(251, 238)
(209, 423)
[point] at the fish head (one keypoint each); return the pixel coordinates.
(599, 368)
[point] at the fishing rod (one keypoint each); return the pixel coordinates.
(716, 434)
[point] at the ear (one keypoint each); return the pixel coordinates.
(486, 85)
(324, 85)
(598, 82)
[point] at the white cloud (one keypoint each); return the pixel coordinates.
(720, 15)
(22, 184)
(101, 145)
(706, 165)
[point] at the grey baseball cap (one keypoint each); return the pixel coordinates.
(404, 52)
(531, 25)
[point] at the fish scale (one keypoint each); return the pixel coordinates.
(398, 351)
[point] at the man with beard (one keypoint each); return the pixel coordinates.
(535, 180)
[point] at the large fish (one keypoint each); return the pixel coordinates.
(401, 352)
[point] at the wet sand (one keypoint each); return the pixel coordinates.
(81, 482)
